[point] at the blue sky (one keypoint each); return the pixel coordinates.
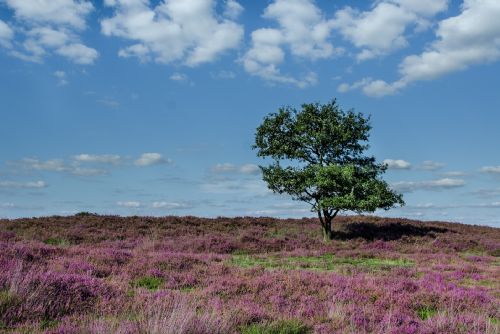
(150, 107)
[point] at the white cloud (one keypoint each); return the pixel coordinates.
(470, 38)
(486, 205)
(431, 165)
(249, 169)
(110, 103)
(486, 193)
(112, 159)
(178, 77)
(301, 29)
(149, 159)
(81, 171)
(224, 168)
(397, 164)
(52, 26)
(53, 165)
(170, 205)
(491, 169)
(61, 76)
(280, 212)
(233, 9)
(63, 12)
(242, 187)
(78, 53)
(57, 165)
(33, 184)
(186, 31)
(455, 174)
(382, 29)
(223, 74)
(6, 34)
(371, 87)
(293, 209)
(230, 168)
(49, 37)
(440, 184)
(129, 204)
(139, 51)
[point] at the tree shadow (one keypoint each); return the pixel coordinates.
(386, 232)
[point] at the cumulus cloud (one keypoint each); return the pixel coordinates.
(61, 76)
(63, 12)
(431, 165)
(249, 169)
(224, 168)
(53, 165)
(490, 169)
(164, 205)
(470, 38)
(110, 103)
(235, 186)
(149, 159)
(78, 53)
(371, 87)
(486, 193)
(51, 26)
(185, 31)
(397, 164)
(486, 205)
(56, 165)
(81, 171)
(87, 164)
(294, 209)
(27, 185)
(112, 159)
(280, 212)
(233, 9)
(455, 174)
(178, 77)
(302, 30)
(440, 184)
(383, 28)
(230, 168)
(223, 74)
(129, 204)
(6, 34)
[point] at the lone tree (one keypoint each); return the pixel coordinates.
(318, 157)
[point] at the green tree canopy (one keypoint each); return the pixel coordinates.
(319, 157)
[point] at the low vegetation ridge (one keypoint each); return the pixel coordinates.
(107, 274)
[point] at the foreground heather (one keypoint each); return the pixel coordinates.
(107, 274)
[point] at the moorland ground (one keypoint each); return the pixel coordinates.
(108, 274)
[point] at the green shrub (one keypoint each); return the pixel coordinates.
(326, 262)
(48, 324)
(148, 282)
(85, 214)
(56, 242)
(278, 327)
(8, 301)
(426, 312)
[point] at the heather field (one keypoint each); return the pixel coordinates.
(110, 274)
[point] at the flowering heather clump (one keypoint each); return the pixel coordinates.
(96, 274)
(38, 293)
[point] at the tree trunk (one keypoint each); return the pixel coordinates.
(326, 217)
(327, 230)
(326, 225)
